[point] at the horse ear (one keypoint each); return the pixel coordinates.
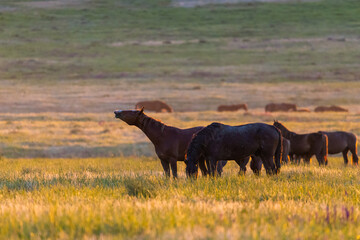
(142, 110)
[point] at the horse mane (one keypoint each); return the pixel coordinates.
(146, 121)
(286, 132)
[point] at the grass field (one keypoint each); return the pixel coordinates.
(129, 198)
(70, 170)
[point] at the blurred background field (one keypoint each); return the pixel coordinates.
(71, 170)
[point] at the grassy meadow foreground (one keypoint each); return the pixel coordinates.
(127, 196)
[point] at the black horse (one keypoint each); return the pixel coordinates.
(306, 145)
(256, 163)
(223, 142)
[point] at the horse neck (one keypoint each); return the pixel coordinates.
(152, 128)
(286, 133)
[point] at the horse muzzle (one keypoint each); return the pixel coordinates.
(117, 113)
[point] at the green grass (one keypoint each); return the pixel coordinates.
(129, 197)
(34, 45)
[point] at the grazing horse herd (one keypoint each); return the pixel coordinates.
(209, 148)
(160, 106)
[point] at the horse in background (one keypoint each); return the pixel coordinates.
(280, 107)
(306, 145)
(155, 106)
(232, 108)
(223, 142)
(332, 108)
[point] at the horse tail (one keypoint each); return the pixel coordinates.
(279, 151)
(325, 148)
(352, 145)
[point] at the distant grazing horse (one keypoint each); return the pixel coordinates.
(341, 142)
(332, 108)
(170, 142)
(232, 108)
(223, 142)
(155, 106)
(306, 145)
(280, 107)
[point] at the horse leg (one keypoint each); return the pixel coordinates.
(355, 158)
(307, 160)
(166, 167)
(242, 164)
(292, 159)
(255, 165)
(173, 164)
(212, 166)
(320, 158)
(202, 166)
(268, 164)
(220, 166)
(344, 153)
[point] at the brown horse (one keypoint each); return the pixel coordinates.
(306, 145)
(170, 142)
(155, 106)
(280, 107)
(232, 108)
(332, 108)
(340, 142)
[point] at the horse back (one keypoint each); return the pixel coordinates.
(245, 140)
(339, 141)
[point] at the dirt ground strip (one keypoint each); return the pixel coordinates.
(106, 96)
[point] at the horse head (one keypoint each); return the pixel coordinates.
(191, 168)
(131, 117)
(278, 125)
(286, 133)
(192, 161)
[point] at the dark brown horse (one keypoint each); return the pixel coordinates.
(232, 108)
(223, 142)
(170, 142)
(280, 107)
(343, 142)
(332, 108)
(155, 106)
(306, 145)
(340, 142)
